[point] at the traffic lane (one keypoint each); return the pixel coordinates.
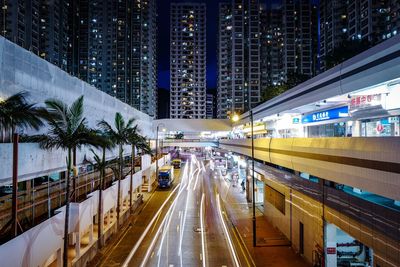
(178, 244)
(121, 250)
(141, 254)
(219, 185)
(218, 252)
(116, 255)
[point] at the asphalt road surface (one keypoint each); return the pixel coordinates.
(183, 226)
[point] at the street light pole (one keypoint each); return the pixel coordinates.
(157, 129)
(236, 118)
(157, 152)
(253, 182)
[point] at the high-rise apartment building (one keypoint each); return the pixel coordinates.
(188, 60)
(118, 53)
(209, 106)
(109, 44)
(297, 36)
(238, 57)
(224, 60)
(271, 48)
(372, 21)
(38, 26)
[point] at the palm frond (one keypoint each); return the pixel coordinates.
(119, 122)
(57, 112)
(130, 123)
(75, 113)
(45, 142)
(15, 111)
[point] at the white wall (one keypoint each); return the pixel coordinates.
(20, 70)
(35, 162)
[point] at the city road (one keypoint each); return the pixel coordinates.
(191, 228)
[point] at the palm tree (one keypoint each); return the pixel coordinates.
(101, 165)
(120, 137)
(137, 141)
(17, 113)
(67, 130)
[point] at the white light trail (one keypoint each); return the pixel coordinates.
(202, 231)
(181, 186)
(134, 249)
(197, 179)
(150, 248)
(233, 252)
(167, 225)
(184, 216)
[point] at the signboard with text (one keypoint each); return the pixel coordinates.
(331, 250)
(330, 114)
(358, 102)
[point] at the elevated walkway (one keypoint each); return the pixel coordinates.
(190, 143)
(368, 163)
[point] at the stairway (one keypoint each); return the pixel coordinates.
(145, 187)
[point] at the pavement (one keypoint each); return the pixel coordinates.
(273, 248)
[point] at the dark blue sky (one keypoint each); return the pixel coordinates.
(163, 39)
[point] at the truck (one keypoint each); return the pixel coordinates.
(176, 163)
(165, 176)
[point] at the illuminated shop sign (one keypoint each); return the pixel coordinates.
(331, 114)
(364, 101)
(296, 120)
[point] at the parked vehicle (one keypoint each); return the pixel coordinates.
(165, 176)
(176, 163)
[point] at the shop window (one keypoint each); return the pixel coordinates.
(381, 127)
(276, 198)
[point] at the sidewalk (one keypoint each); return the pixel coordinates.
(273, 247)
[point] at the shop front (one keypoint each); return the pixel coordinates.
(328, 123)
(378, 115)
(259, 187)
(387, 126)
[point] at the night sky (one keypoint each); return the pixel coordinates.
(212, 20)
(163, 40)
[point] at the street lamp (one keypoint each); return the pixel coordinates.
(253, 180)
(157, 129)
(235, 118)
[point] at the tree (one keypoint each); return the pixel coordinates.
(273, 91)
(347, 49)
(67, 130)
(293, 79)
(101, 165)
(17, 113)
(120, 137)
(179, 135)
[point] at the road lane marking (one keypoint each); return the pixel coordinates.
(159, 230)
(134, 249)
(232, 249)
(169, 214)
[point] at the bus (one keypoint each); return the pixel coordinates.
(176, 163)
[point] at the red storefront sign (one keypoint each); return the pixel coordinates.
(330, 250)
(364, 101)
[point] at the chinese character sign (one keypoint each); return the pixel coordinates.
(358, 102)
